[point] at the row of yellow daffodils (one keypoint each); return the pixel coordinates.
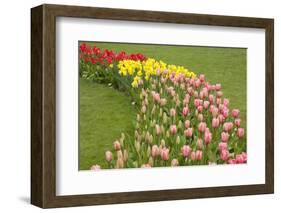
(150, 67)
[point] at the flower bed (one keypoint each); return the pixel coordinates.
(182, 119)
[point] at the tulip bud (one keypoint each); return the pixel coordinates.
(148, 151)
(200, 117)
(116, 145)
(174, 162)
(188, 132)
(162, 129)
(224, 136)
(240, 132)
(164, 154)
(185, 150)
(125, 157)
(147, 135)
(165, 119)
(119, 163)
(167, 134)
(157, 129)
(178, 140)
(202, 126)
(198, 155)
(108, 156)
(173, 129)
(150, 141)
(123, 136)
(155, 151)
(150, 161)
(137, 146)
(187, 124)
(199, 143)
(162, 142)
(138, 117)
(180, 124)
(143, 109)
(95, 167)
(172, 112)
(160, 112)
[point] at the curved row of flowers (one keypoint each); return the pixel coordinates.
(182, 119)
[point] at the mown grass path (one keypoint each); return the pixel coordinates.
(104, 114)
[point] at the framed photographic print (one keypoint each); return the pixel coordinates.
(135, 106)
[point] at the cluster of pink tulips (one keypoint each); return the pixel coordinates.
(181, 121)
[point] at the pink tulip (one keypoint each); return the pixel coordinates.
(164, 154)
(235, 113)
(215, 111)
(221, 118)
(207, 137)
(156, 97)
(188, 132)
(225, 102)
(198, 155)
(155, 151)
(173, 129)
(224, 136)
(218, 87)
(240, 132)
(172, 112)
(237, 122)
(116, 145)
(185, 111)
(95, 167)
(202, 126)
(224, 154)
(185, 150)
(206, 104)
(193, 156)
(222, 146)
(225, 112)
(219, 94)
(205, 92)
(108, 156)
(215, 122)
(218, 101)
(197, 102)
(202, 77)
(187, 124)
(211, 99)
(244, 155)
(200, 108)
(227, 126)
(201, 95)
(241, 158)
(231, 161)
(199, 143)
(174, 162)
(197, 83)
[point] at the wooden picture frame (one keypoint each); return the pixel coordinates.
(43, 105)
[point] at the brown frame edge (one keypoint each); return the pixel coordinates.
(43, 104)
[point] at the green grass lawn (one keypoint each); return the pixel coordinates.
(105, 113)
